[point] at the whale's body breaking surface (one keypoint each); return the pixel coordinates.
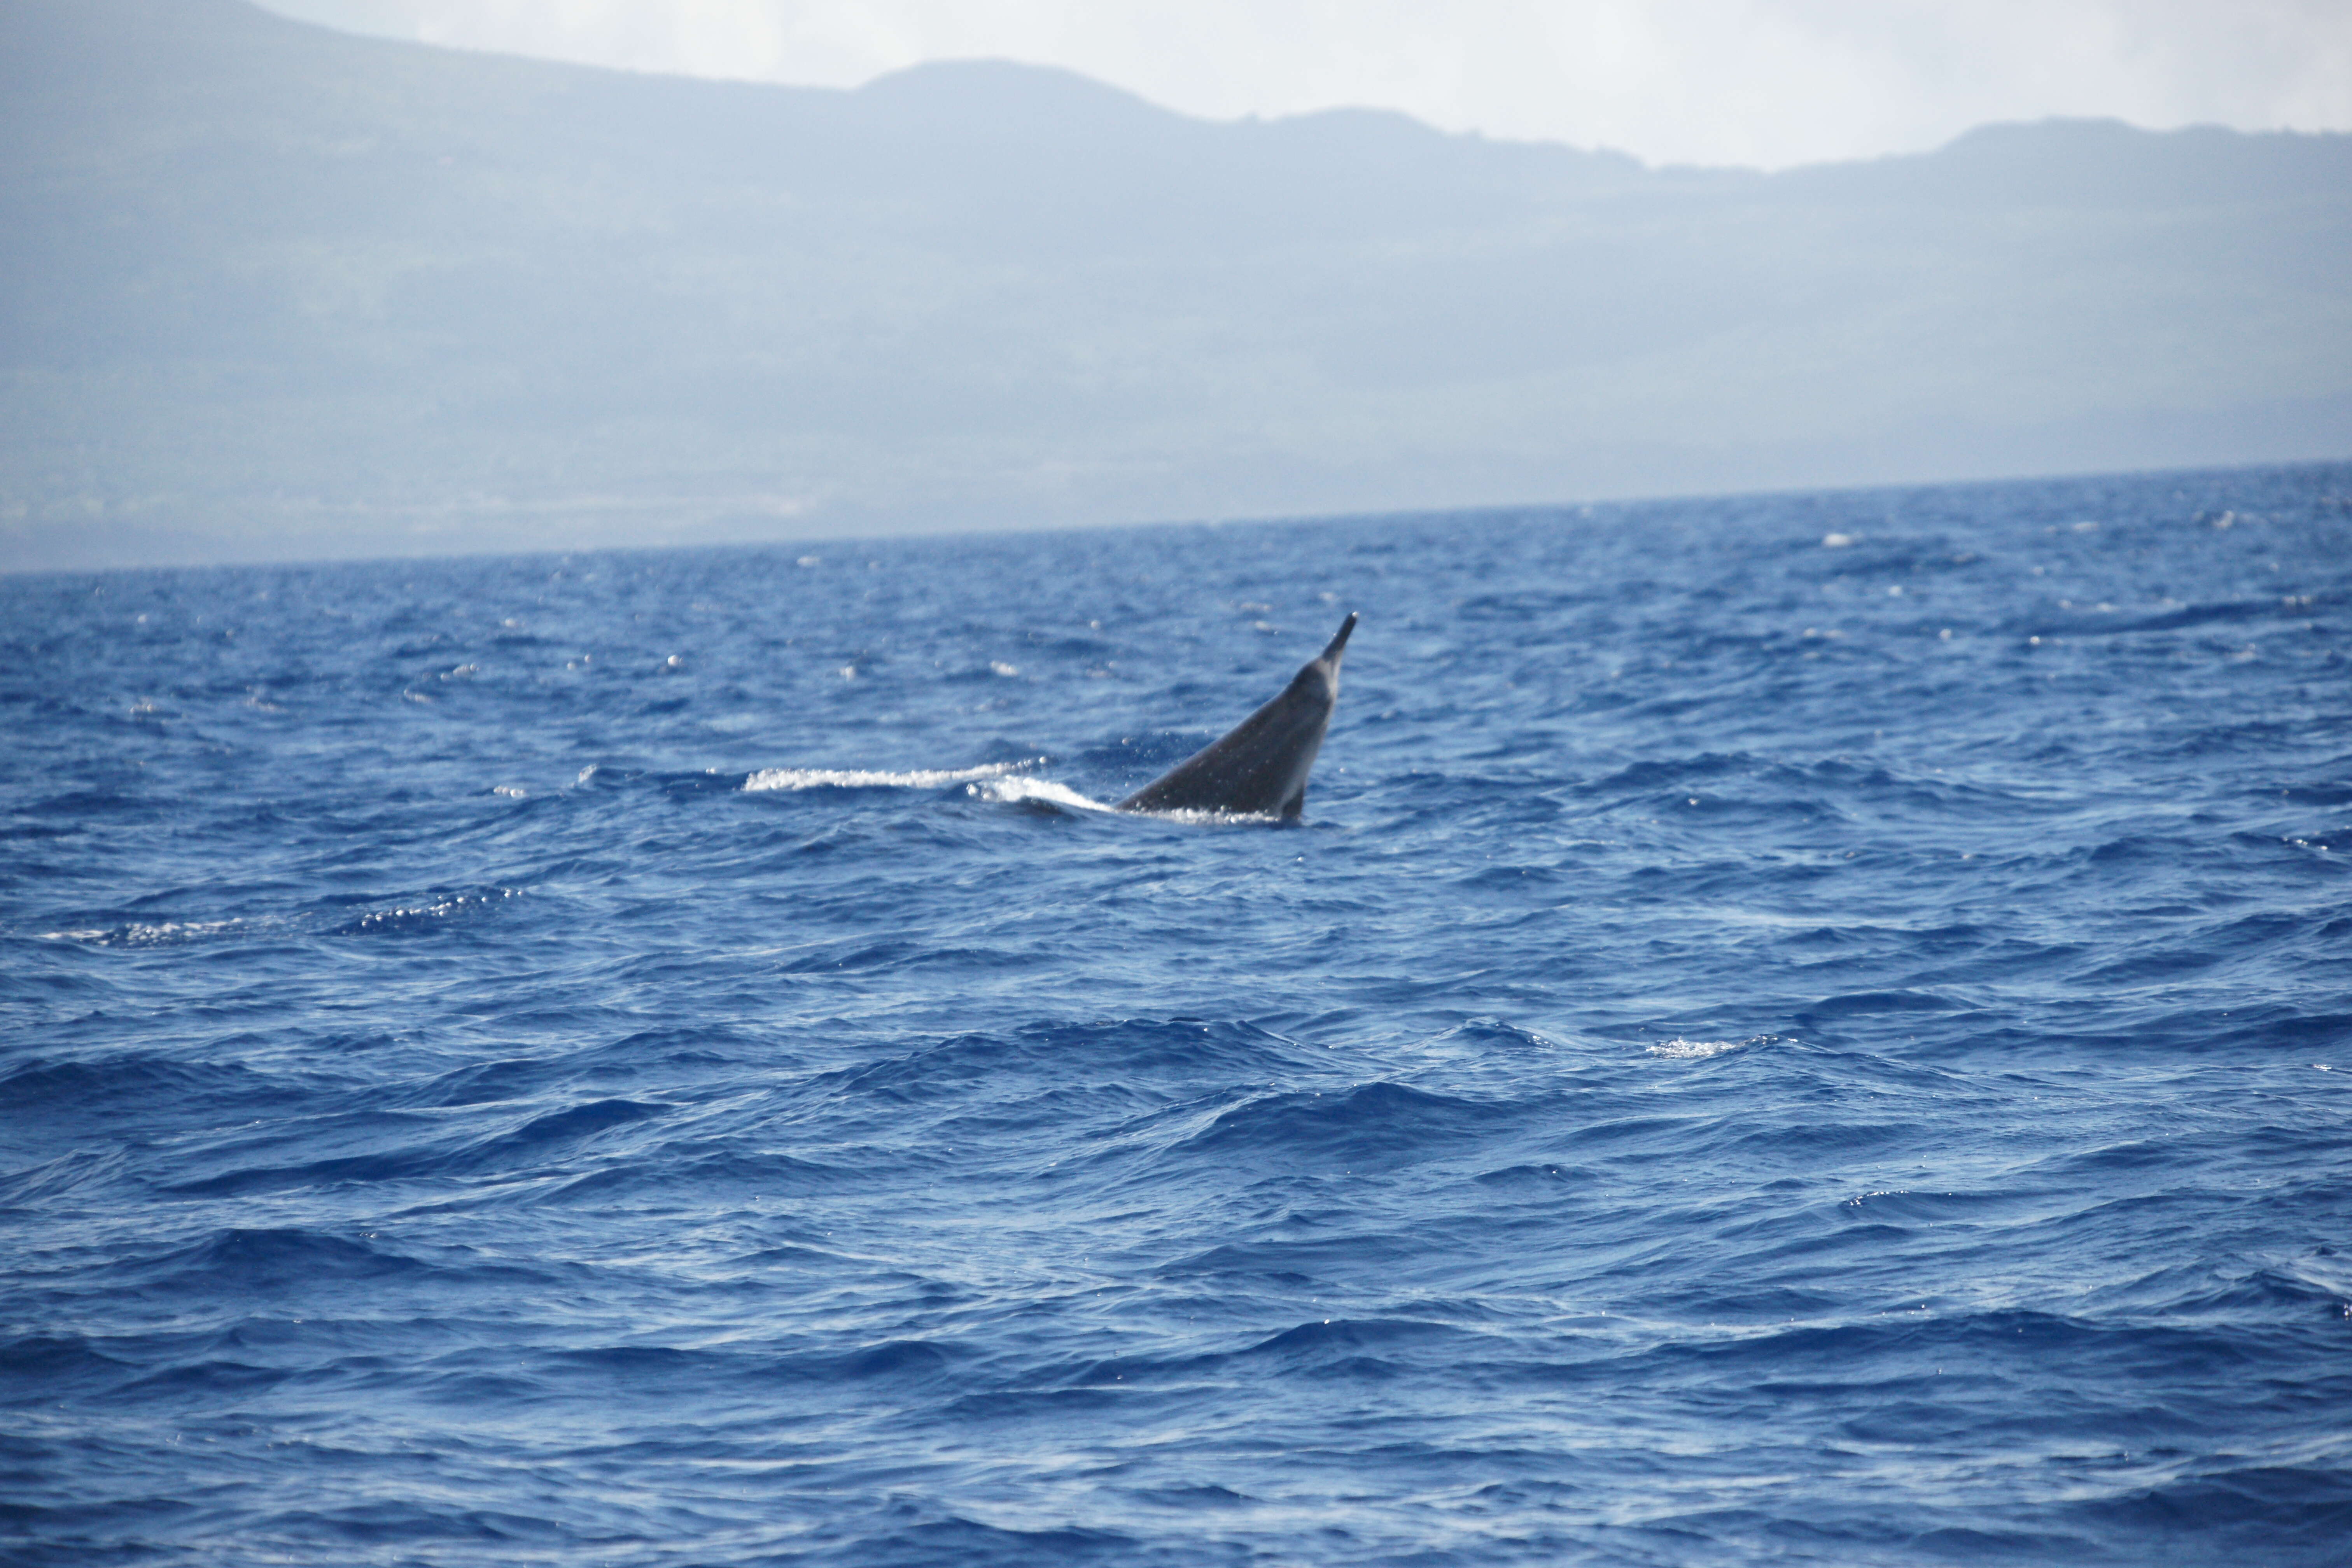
(1260, 767)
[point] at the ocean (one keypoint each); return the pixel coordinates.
(1813, 1027)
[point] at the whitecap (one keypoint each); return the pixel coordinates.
(1680, 1050)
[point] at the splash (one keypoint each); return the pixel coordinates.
(1211, 818)
(1034, 792)
(858, 778)
(1046, 795)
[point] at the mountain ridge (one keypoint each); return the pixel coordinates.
(270, 279)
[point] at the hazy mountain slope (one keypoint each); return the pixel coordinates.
(269, 290)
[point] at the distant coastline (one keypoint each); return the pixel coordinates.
(286, 293)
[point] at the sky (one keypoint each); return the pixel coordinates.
(1765, 83)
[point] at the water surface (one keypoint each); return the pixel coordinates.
(1807, 1026)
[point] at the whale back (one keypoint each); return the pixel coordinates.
(1259, 767)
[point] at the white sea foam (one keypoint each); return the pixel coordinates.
(1006, 783)
(859, 778)
(1044, 792)
(1213, 818)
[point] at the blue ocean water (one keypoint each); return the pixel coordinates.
(1809, 1027)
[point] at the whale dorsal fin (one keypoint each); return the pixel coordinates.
(1261, 764)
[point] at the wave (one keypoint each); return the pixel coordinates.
(158, 934)
(393, 914)
(1680, 1050)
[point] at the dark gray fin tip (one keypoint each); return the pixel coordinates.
(1340, 641)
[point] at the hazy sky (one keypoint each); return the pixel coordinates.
(1769, 82)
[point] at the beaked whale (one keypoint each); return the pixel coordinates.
(1261, 764)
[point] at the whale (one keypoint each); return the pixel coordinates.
(1260, 767)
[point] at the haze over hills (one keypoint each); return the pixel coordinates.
(272, 291)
